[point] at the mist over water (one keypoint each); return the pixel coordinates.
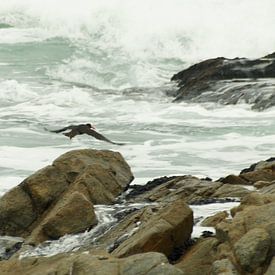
(64, 62)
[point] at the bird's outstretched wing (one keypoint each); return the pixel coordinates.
(97, 135)
(60, 130)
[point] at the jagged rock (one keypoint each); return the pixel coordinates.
(244, 221)
(251, 233)
(259, 174)
(229, 81)
(91, 263)
(259, 165)
(169, 228)
(253, 199)
(251, 250)
(265, 174)
(269, 189)
(43, 205)
(215, 219)
(224, 267)
(198, 260)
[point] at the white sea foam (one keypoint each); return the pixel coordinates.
(162, 138)
(20, 35)
(23, 158)
(67, 243)
(133, 43)
(8, 182)
(161, 24)
(203, 211)
(12, 92)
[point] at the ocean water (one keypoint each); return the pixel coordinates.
(110, 63)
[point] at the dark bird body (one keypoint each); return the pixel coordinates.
(83, 129)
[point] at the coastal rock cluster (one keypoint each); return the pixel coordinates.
(42, 206)
(229, 81)
(151, 237)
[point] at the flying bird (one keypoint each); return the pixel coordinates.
(82, 129)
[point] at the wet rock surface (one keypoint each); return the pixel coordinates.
(229, 81)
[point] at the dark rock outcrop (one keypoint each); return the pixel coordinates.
(229, 81)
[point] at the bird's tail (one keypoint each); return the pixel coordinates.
(117, 143)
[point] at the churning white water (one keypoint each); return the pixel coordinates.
(110, 63)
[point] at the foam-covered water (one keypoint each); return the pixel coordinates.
(107, 220)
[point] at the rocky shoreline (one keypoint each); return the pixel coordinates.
(150, 228)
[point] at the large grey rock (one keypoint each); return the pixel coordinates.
(198, 260)
(251, 250)
(224, 267)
